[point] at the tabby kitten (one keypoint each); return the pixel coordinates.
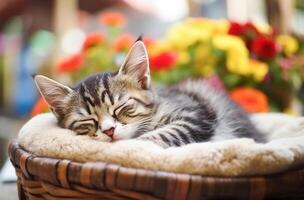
(123, 105)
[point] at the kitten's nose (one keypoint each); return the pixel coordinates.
(109, 132)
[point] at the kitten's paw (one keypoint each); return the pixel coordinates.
(101, 137)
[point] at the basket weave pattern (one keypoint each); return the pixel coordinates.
(47, 178)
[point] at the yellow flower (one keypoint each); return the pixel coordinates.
(206, 70)
(221, 27)
(237, 53)
(182, 35)
(290, 111)
(183, 57)
(204, 60)
(263, 28)
(290, 45)
(258, 69)
(177, 36)
(159, 46)
(203, 52)
(199, 23)
(209, 25)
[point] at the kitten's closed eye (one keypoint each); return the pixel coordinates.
(84, 127)
(127, 110)
(130, 111)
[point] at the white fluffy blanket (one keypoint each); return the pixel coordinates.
(236, 157)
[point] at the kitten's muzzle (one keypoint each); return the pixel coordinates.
(109, 132)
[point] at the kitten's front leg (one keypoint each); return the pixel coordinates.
(175, 134)
(154, 136)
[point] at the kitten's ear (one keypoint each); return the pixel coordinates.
(136, 65)
(53, 92)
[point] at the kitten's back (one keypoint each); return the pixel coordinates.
(231, 121)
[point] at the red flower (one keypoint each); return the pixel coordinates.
(250, 99)
(148, 41)
(247, 30)
(112, 18)
(93, 39)
(250, 30)
(123, 42)
(236, 29)
(165, 60)
(40, 107)
(70, 64)
(264, 47)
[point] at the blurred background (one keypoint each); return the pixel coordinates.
(251, 49)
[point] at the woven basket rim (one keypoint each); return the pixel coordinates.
(63, 173)
(13, 145)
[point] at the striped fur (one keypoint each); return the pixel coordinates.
(124, 106)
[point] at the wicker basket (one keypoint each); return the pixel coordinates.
(47, 178)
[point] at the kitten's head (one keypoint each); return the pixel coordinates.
(118, 105)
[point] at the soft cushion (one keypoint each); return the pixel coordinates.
(236, 157)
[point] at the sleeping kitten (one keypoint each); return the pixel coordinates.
(123, 105)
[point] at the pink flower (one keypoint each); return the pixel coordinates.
(215, 82)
